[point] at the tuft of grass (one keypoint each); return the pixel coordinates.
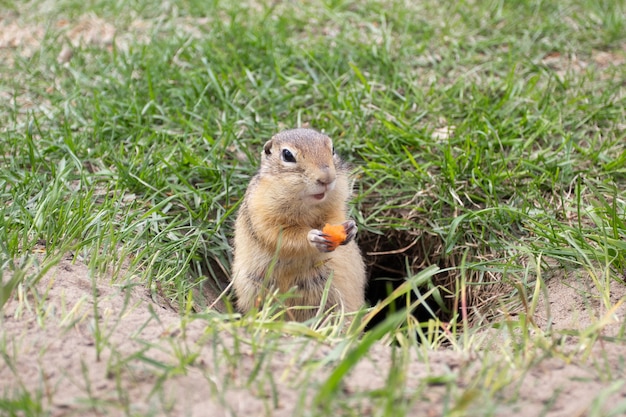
(21, 404)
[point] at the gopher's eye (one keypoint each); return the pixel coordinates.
(287, 156)
(333, 150)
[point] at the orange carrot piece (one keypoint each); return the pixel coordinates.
(336, 234)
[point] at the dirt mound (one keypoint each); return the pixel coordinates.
(90, 346)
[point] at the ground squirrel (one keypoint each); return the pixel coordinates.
(279, 245)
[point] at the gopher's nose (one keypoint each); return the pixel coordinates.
(326, 175)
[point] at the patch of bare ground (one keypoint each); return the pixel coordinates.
(574, 303)
(586, 363)
(91, 348)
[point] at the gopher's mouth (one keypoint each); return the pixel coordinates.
(319, 196)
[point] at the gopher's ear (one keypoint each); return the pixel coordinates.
(267, 148)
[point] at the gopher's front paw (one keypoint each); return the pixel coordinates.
(319, 240)
(351, 229)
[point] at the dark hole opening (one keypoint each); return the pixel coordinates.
(391, 259)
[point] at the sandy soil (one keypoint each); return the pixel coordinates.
(140, 364)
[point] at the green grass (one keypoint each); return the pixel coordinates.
(133, 156)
